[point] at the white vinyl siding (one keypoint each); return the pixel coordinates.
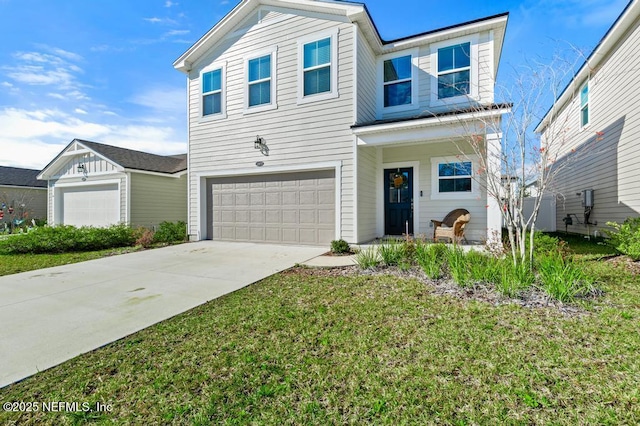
(367, 76)
(367, 193)
(429, 209)
(296, 134)
(603, 156)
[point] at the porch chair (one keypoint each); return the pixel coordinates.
(452, 226)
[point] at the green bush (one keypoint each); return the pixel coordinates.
(393, 252)
(562, 279)
(514, 278)
(368, 258)
(340, 247)
(171, 232)
(430, 257)
(66, 238)
(626, 237)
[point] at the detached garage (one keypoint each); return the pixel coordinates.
(93, 184)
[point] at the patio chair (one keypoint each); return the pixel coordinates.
(452, 226)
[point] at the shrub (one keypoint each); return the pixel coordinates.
(430, 257)
(144, 237)
(514, 278)
(368, 258)
(562, 279)
(458, 268)
(171, 232)
(66, 238)
(392, 252)
(483, 268)
(340, 247)
(626, 237)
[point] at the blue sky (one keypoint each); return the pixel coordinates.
(102, 70)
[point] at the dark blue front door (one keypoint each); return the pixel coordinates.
(398, 201)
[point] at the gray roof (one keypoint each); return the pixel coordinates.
(15, 176)
(138, 160)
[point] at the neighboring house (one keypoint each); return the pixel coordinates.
(22, 195)
(306, 126)
(597, 119)
(92, 184)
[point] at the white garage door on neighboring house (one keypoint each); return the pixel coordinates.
(276, 208)
(96, 205)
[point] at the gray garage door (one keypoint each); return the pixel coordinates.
(280, 208)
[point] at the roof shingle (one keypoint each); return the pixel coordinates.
(15, 176)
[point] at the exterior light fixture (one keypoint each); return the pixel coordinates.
(82, 168)
(260, 144)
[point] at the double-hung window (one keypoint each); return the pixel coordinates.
(317, 67)
(397, 81)
(260, 89)
(318, 74)
(212, 92)
(259, 81)
(454, 70)
(452, 178)
(584, 105)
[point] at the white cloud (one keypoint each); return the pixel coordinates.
(6, 84)
(164, 21)
(177, 32)
(80, 111)
(33, 138)
(170, 3)
(165, 99)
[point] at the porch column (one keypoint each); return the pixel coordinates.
(494, 215)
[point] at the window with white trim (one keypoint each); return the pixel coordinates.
(259, 81)
(454, 70)
(397, 81)
(212, 91)
(317, 73)
(452, 178)
(584, 105)
(317, 67)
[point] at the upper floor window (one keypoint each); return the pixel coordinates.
(260, 88)
(212, 92)
(260, 81)
(454, 70)
(584, 105)
(318, 67)
(397, 81)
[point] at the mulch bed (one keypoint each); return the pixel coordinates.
(531, 299)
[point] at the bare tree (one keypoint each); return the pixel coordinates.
(507, 165)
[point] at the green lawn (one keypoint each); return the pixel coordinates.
(305, 347)
(15, 263)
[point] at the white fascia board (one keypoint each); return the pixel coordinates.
(617, 31)
(185, 62)
(457, 31)
(49, 172)
(146, 172)
(429, 122)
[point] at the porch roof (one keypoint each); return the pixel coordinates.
(500, 108)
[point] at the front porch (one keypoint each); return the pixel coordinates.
(412, 172)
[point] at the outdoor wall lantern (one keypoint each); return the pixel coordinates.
(260, 144)
(82, 168)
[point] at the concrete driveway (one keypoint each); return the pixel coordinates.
(51, 315)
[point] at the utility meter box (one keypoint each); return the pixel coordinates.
(587, 198)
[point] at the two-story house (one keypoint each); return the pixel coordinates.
(306, 126)
(594, 125)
